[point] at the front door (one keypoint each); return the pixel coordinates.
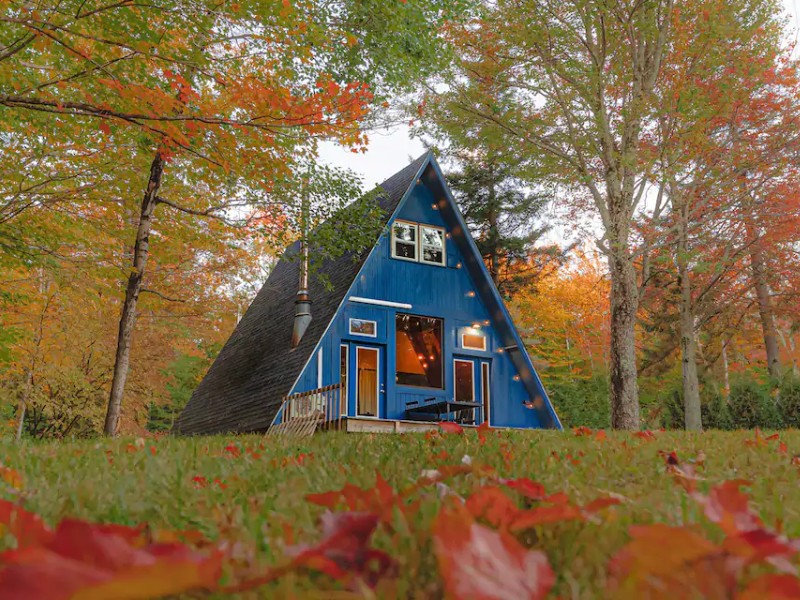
(471, 384)
(368, 382)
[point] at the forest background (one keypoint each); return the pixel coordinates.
(156, 161)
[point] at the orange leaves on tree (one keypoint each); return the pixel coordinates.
(479, 563)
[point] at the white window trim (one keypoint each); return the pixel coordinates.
(486, 385)
(319, 368)
(372, 335)
(377, 383)
(471, 364)
(420, 245)
(346, 382)
(477, 334)
(416, 241)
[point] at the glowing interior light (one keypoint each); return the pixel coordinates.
(420, 356)
(516, 377)
(500, 350)
(458, 265)
(476, 325)
(470, 294)
(486, 322)
(431, 357)
(424, 365)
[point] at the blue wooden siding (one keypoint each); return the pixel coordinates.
(448, 292)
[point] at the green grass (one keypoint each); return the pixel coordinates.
(262, 493)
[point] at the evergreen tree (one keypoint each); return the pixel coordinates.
(505, 217)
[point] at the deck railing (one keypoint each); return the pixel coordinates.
(301, 414)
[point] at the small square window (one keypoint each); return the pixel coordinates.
(473, 340)
(404, 240)
(432, 243)
(363, 327)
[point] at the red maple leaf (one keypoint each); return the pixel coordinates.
(104, 561)
(344, 551)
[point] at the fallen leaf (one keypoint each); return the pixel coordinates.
(451, 427)
(478, 563)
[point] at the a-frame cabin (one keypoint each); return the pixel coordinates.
(413, 331)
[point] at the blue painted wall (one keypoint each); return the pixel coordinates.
(447, 292)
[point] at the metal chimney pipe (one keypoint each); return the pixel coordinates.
(302, 303)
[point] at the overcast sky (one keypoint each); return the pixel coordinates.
(390, 151)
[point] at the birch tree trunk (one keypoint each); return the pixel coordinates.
(134, 288)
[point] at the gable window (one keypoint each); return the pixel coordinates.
(418, 348)
(472, 339)
(404, 240)
(363, 327)
(432, 245)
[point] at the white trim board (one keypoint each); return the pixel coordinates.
(376, 302)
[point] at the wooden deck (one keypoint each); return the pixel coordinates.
(371, 425)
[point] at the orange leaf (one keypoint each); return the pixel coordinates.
(729, 507)
(663, 562)
(481, 564)
(772, 587)
(26, 527)
(492, 505)
(451, 427)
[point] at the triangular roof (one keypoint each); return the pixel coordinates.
(257, 367)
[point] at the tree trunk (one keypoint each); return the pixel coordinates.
(494, 234)
(726, 381)
(135, 279)
(23, 403)
(624, 306)
(764, 297)
(691, 385)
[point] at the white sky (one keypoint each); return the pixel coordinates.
(390, 151)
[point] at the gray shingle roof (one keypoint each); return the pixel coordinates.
(257, 366)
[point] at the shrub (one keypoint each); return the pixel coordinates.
(714, 409)
(790, 402)
(582, 402)
(752, 406)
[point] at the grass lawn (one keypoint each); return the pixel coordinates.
(250, 491)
